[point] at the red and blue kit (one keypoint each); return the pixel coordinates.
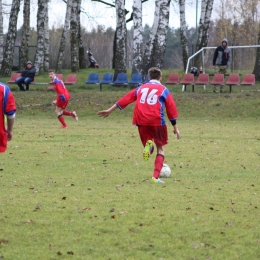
(8, 108)
(151, 99)
(63, 95)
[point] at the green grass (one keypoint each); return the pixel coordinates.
(85, 192)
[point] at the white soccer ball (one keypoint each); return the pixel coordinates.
(166, 171)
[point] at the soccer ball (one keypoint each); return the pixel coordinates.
(166, 171)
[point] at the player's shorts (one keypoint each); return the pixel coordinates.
(158, 134)
(62, 104)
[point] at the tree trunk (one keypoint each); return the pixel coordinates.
(82, 60)
(137, 37)
(150, 43)
(1, 34)
(63, 37)
(74, 33)
(7, 62)
(46, 63)
(120, 54)
(161, 35)
(203, 30)
(257, 59)
(25, 34)
(183, 34)
(39, 56)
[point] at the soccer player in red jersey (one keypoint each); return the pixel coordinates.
(62, 100)
(150, 100)
(8, 109)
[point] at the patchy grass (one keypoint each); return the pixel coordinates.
(85, 193)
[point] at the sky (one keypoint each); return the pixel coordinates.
(100, 14)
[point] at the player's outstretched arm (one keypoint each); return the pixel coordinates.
(176, 131)
(50, 88)
(106, 113)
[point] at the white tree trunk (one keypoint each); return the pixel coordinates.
(25, 34)
(137, 37)
(150, 43)
(120, 53)
(46, 63)
(161, 35)
(39, 57)
(63, 37)
(183, 33)
(74, 40)
(1, 33)
(7, 62)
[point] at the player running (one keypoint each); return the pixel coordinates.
(62, 100)
(150, 100)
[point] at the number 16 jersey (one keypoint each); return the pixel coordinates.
(152, 99)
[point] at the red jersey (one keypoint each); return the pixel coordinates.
(151, 99)
(61, 90)
(7, 107)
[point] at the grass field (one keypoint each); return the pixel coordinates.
(85, 192)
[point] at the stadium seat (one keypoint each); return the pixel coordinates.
(93, 78)
(107, 79)
(173, 79)
(71, 79)
(59, 76)
(203, 79)
(188, 79)
(13, 78)
(218, 79)
(135, 80)
(233, 79)
(146, 79)
(121, 79)
(248, 80)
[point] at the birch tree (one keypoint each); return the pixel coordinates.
(46, 63)
(149, 45)
(161, 35)
(82, 62)
(203, 30)
(39, 56)
(120, 51)
(1, 34)
(25, 34)
(7, 62)
(63, 37)
(74, 40)
(137, 37)
(183, 33)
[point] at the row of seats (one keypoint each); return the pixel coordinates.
(122, 79)
(71, 79)
(203, 79)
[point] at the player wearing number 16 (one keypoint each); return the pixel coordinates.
(151, 100)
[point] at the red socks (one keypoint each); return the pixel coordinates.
(61, 119)
(67, 113)
(158, 164)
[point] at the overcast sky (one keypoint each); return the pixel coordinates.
(98, 13)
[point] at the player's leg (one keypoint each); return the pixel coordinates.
(147, 141)
(59, 113)
(73, 114)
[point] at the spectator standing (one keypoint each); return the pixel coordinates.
(222, 60)
(27, 76)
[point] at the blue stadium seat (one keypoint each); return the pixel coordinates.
(107, 79)
(93, 78)
(136, 79)
(121, 79)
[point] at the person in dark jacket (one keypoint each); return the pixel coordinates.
(27, 76)
(222, 60)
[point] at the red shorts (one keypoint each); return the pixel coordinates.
(158, 134)
(62, 104)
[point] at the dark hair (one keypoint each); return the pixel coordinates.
(51, 70)
(154, 73)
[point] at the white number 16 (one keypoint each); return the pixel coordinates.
(149, 98)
